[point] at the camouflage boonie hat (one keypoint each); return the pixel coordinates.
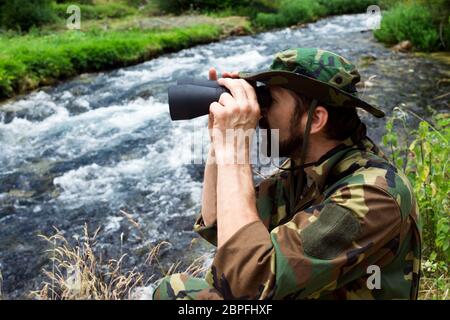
(316, 74)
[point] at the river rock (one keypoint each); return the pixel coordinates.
(403, 46)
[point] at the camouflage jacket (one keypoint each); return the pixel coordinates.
(357, 211)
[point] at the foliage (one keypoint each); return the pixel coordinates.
(423, 153)
(291, 12)
(435, 281)
(410, 21)
(335, 7)
(425, 161)
(78, 271)
(24, 14)
(247, 7)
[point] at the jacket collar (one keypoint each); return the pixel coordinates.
(321, 170)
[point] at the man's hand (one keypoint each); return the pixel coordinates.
(209, 196)
(213, 76)
(234, 114)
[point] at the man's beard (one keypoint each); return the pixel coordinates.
(292, 145)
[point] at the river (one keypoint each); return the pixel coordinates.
(84, 150)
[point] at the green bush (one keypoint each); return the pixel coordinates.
(291, 12)
(270, 20)
(301, 10)
(423, 153)
(424, 156)
(24, 14)
(11, 72)
(412, 22)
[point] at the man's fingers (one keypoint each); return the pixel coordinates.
(217, 110)
(227, 99)
(249, 91)
(233, 75)
(236, 89)
(212, 73)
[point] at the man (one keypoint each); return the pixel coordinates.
(337, 221)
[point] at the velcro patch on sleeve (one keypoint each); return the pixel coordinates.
(331, 234)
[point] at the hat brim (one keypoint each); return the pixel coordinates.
(311, 88)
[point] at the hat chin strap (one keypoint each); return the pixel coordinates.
(299, 188)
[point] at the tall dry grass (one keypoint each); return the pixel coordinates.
(77, 272)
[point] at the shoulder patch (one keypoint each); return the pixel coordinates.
(333, 232)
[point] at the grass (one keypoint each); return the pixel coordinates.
(30, 61)
(78, 272)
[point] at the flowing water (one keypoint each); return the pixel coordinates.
(88, 148)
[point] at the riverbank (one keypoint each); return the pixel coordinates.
(115, 35)
(34, 60)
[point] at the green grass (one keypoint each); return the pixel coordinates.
(30, 61)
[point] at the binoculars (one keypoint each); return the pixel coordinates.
(191, 98)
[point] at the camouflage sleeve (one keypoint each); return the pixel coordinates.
(318, 251)
(265, 193)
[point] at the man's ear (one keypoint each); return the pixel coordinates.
(320, 119)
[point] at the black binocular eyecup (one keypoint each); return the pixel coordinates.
(191, 98)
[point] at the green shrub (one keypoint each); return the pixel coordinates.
(11, 72)
(424, 156)
(412, 22)
(423, 153)
(270, 20)
(295, 11)
(24, 14)
(291, 12)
